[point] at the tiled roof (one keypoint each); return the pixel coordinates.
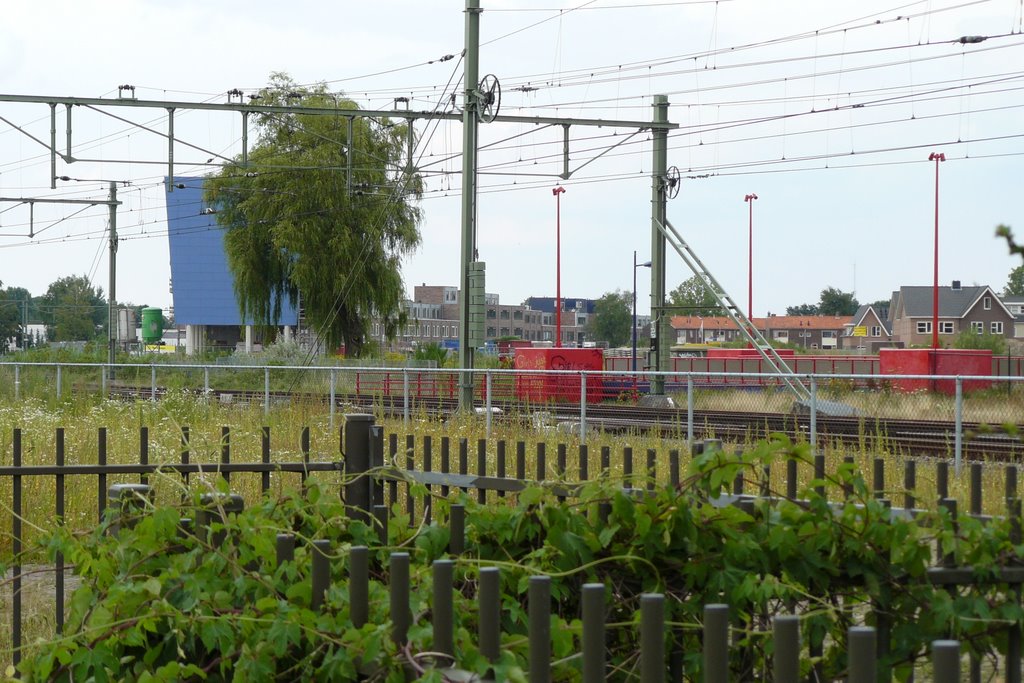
(953, 303)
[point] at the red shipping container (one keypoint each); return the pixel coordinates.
(558, 387)
(964, 362)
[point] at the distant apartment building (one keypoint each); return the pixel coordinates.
(433, 314)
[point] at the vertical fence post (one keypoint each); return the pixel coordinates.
(540, 628)
(861, 662)
(59, 559)
(206, 381)
(357, 463)
(334, 389)
(1013, 638)
(909, 484)
(17, 383)
(716, 643)
(285, 548)
(442, 609)
(405, 399)
(359, 585)
(652, 638)
(490, 613)
(266, 391)
(593, 632)
(689, 410)
(786, 634)
(487, 402)
(16, 552)
(59, 378)
(945, 661)
(321, 575)
(400, 613)
(583, 406)
(457, 530)
(103, 382)
(152, 381)
(958, 438)
(814, 413)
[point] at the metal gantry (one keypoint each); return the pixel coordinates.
(481, 104)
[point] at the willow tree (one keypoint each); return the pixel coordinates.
(297, 226)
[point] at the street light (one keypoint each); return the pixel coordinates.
(936, 157)
(646, 264)
(558, 264)
(749, 199)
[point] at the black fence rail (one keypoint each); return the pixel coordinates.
(377, 474)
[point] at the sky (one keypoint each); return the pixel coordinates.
(827, 111)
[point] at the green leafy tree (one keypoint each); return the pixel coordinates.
(12, 311)
(837, 302)
(294, 229)
(431, 351)
(969, 339)
(73, 309)
(613, 318)
(802, 309)
(693, 297)
(1015, 282)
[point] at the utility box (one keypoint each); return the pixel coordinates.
(967, 362)
(547, 388)
(126, 325)
(477, 304)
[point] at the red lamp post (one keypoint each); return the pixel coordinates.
(558, 264)
(936, 157)
(749, 199)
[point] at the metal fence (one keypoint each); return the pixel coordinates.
(954, 405)
(393, 472)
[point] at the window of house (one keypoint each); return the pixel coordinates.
(978, 327)
(781, 334)
(491, 313)
(504, 332)
(828, 334)
(997, 327)
(491, 331)
(504, 315)
(945, 327)
(986, 303)
(518, 332)
(518, 315)
(924, 327)
(876, 331)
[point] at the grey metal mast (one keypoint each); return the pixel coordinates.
(469, 151)
(112, 294)
(661, 322)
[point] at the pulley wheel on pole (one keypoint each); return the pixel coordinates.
(672, 182)
(490, 98)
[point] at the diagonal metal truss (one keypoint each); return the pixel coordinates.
(746, 327)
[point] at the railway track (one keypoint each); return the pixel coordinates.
(914, 437)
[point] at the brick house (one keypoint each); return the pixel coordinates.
(806, 331)
(1015, 304)
(868, 331)
(975, 308)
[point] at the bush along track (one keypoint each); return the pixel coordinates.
(156, 603)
